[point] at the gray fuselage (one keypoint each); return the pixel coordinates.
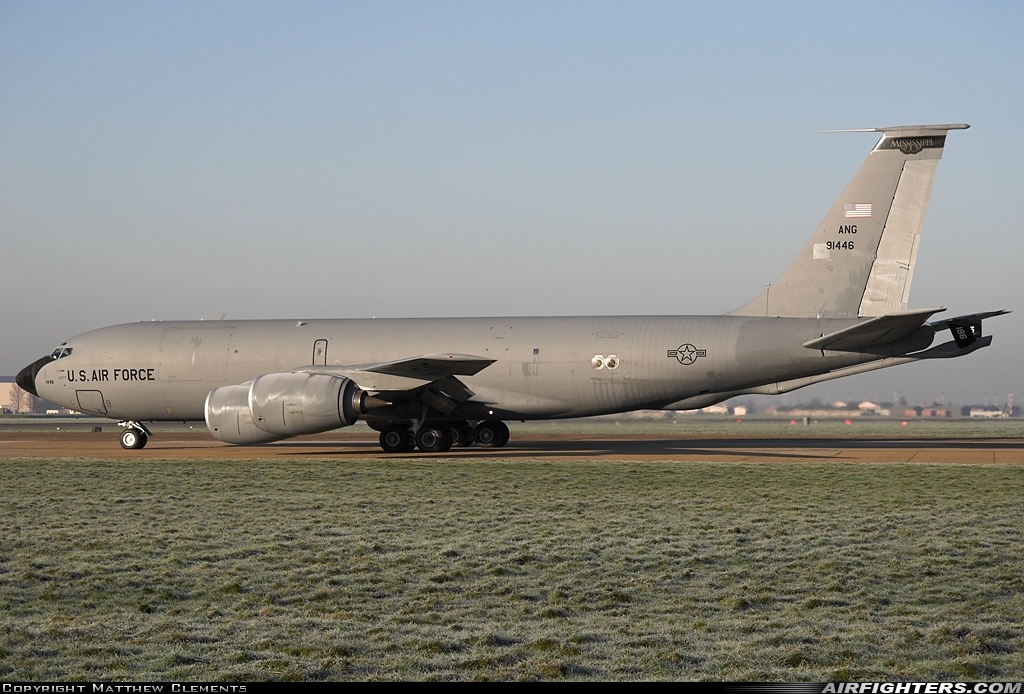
(544, 367)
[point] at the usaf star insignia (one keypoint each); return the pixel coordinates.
(687, 354)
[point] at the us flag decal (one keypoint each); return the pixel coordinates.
(860, 209)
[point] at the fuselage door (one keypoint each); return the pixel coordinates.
(320, 353)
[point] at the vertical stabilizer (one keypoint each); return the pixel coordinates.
(859, 262)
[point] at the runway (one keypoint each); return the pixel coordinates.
(362, 444)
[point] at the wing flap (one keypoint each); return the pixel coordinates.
(875, 332)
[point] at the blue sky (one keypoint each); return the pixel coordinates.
(182, 160)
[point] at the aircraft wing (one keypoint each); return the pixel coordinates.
(415, 373)
(875, 332)
(431, 366)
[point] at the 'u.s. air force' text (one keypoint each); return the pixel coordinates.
(112, 375)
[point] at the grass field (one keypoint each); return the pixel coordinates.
(437, 569)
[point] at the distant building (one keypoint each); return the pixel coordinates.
(932, 410)
(820, 413)
(987, 413)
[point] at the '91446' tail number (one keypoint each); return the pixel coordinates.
(839, 245)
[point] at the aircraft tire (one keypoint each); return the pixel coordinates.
(491, 434)
(503, 435)
(133, 439)
(395, 438)
(449, 441)
(434, 439)
(462, 435)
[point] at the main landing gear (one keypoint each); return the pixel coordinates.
(438, 437)
(134, 436)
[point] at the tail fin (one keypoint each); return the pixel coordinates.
(860, 260)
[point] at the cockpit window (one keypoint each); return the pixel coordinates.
(61, 352)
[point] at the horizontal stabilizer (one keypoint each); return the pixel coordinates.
(879, 331)
(938, 127)
(970, 318)
(947, 350)
(951, 350)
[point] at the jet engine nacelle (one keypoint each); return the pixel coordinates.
(290, 404)
(228, 417)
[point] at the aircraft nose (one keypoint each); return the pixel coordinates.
(26, 378)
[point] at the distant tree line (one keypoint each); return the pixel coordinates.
(22, 401)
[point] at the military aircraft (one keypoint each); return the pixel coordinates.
(431, 383)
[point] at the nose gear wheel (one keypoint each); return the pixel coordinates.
(133, 439)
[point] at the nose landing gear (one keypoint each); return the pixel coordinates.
(134, 436)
